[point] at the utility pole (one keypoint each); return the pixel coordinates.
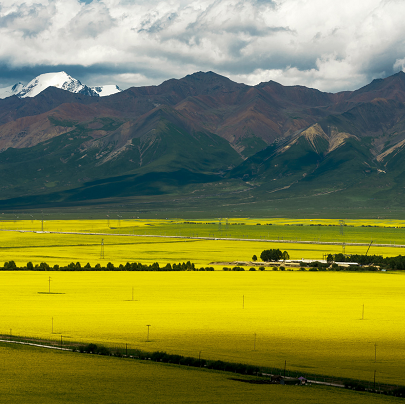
(254, 344)
(102, 249)
(49, 288)
(375, 352)
(342, 224)
(148, 325)
(42, 226)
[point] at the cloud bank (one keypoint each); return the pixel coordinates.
(323, 44)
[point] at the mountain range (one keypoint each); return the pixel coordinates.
(59, 80)
(204, 141)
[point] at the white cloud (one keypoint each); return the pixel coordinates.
(319, 43)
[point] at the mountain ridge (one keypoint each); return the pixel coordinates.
(277, 143)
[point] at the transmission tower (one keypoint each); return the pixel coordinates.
(219, 224)
(343, 248)
(227, 224)
(342, 226)
(102, 249)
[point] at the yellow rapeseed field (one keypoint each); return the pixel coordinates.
(114, 222)
(310, 320)
(62, 249)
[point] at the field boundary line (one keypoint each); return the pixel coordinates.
(214, 238)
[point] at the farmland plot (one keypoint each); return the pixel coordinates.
(56, 377)
(310, 322)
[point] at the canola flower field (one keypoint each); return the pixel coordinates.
(121, 245)
(55, 377)
(62, 249)
(308, 322)
(358, 231)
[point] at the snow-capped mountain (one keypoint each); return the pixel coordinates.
(60, 80)
(104, 91)
(12, 90)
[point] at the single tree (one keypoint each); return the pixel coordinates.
(271, 255)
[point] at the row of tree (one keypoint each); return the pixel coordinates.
(160, 356)
(397, 262)
(134, 266)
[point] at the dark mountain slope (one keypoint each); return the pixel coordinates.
(13, 107)
(265, 141)
(157, 143)
(390, 88)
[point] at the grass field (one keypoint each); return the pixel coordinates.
(311, 320)
(32, 375)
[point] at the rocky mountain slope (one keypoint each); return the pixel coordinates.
(274, 142)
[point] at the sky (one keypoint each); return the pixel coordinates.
(325, 44)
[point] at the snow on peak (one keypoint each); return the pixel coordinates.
(12, 90)
(60, 80)
(104, 91)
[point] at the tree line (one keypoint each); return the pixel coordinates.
(397, 262)
(134, 266)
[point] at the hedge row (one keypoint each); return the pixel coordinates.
(241, 269)
(161, 356)
(43, 266)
